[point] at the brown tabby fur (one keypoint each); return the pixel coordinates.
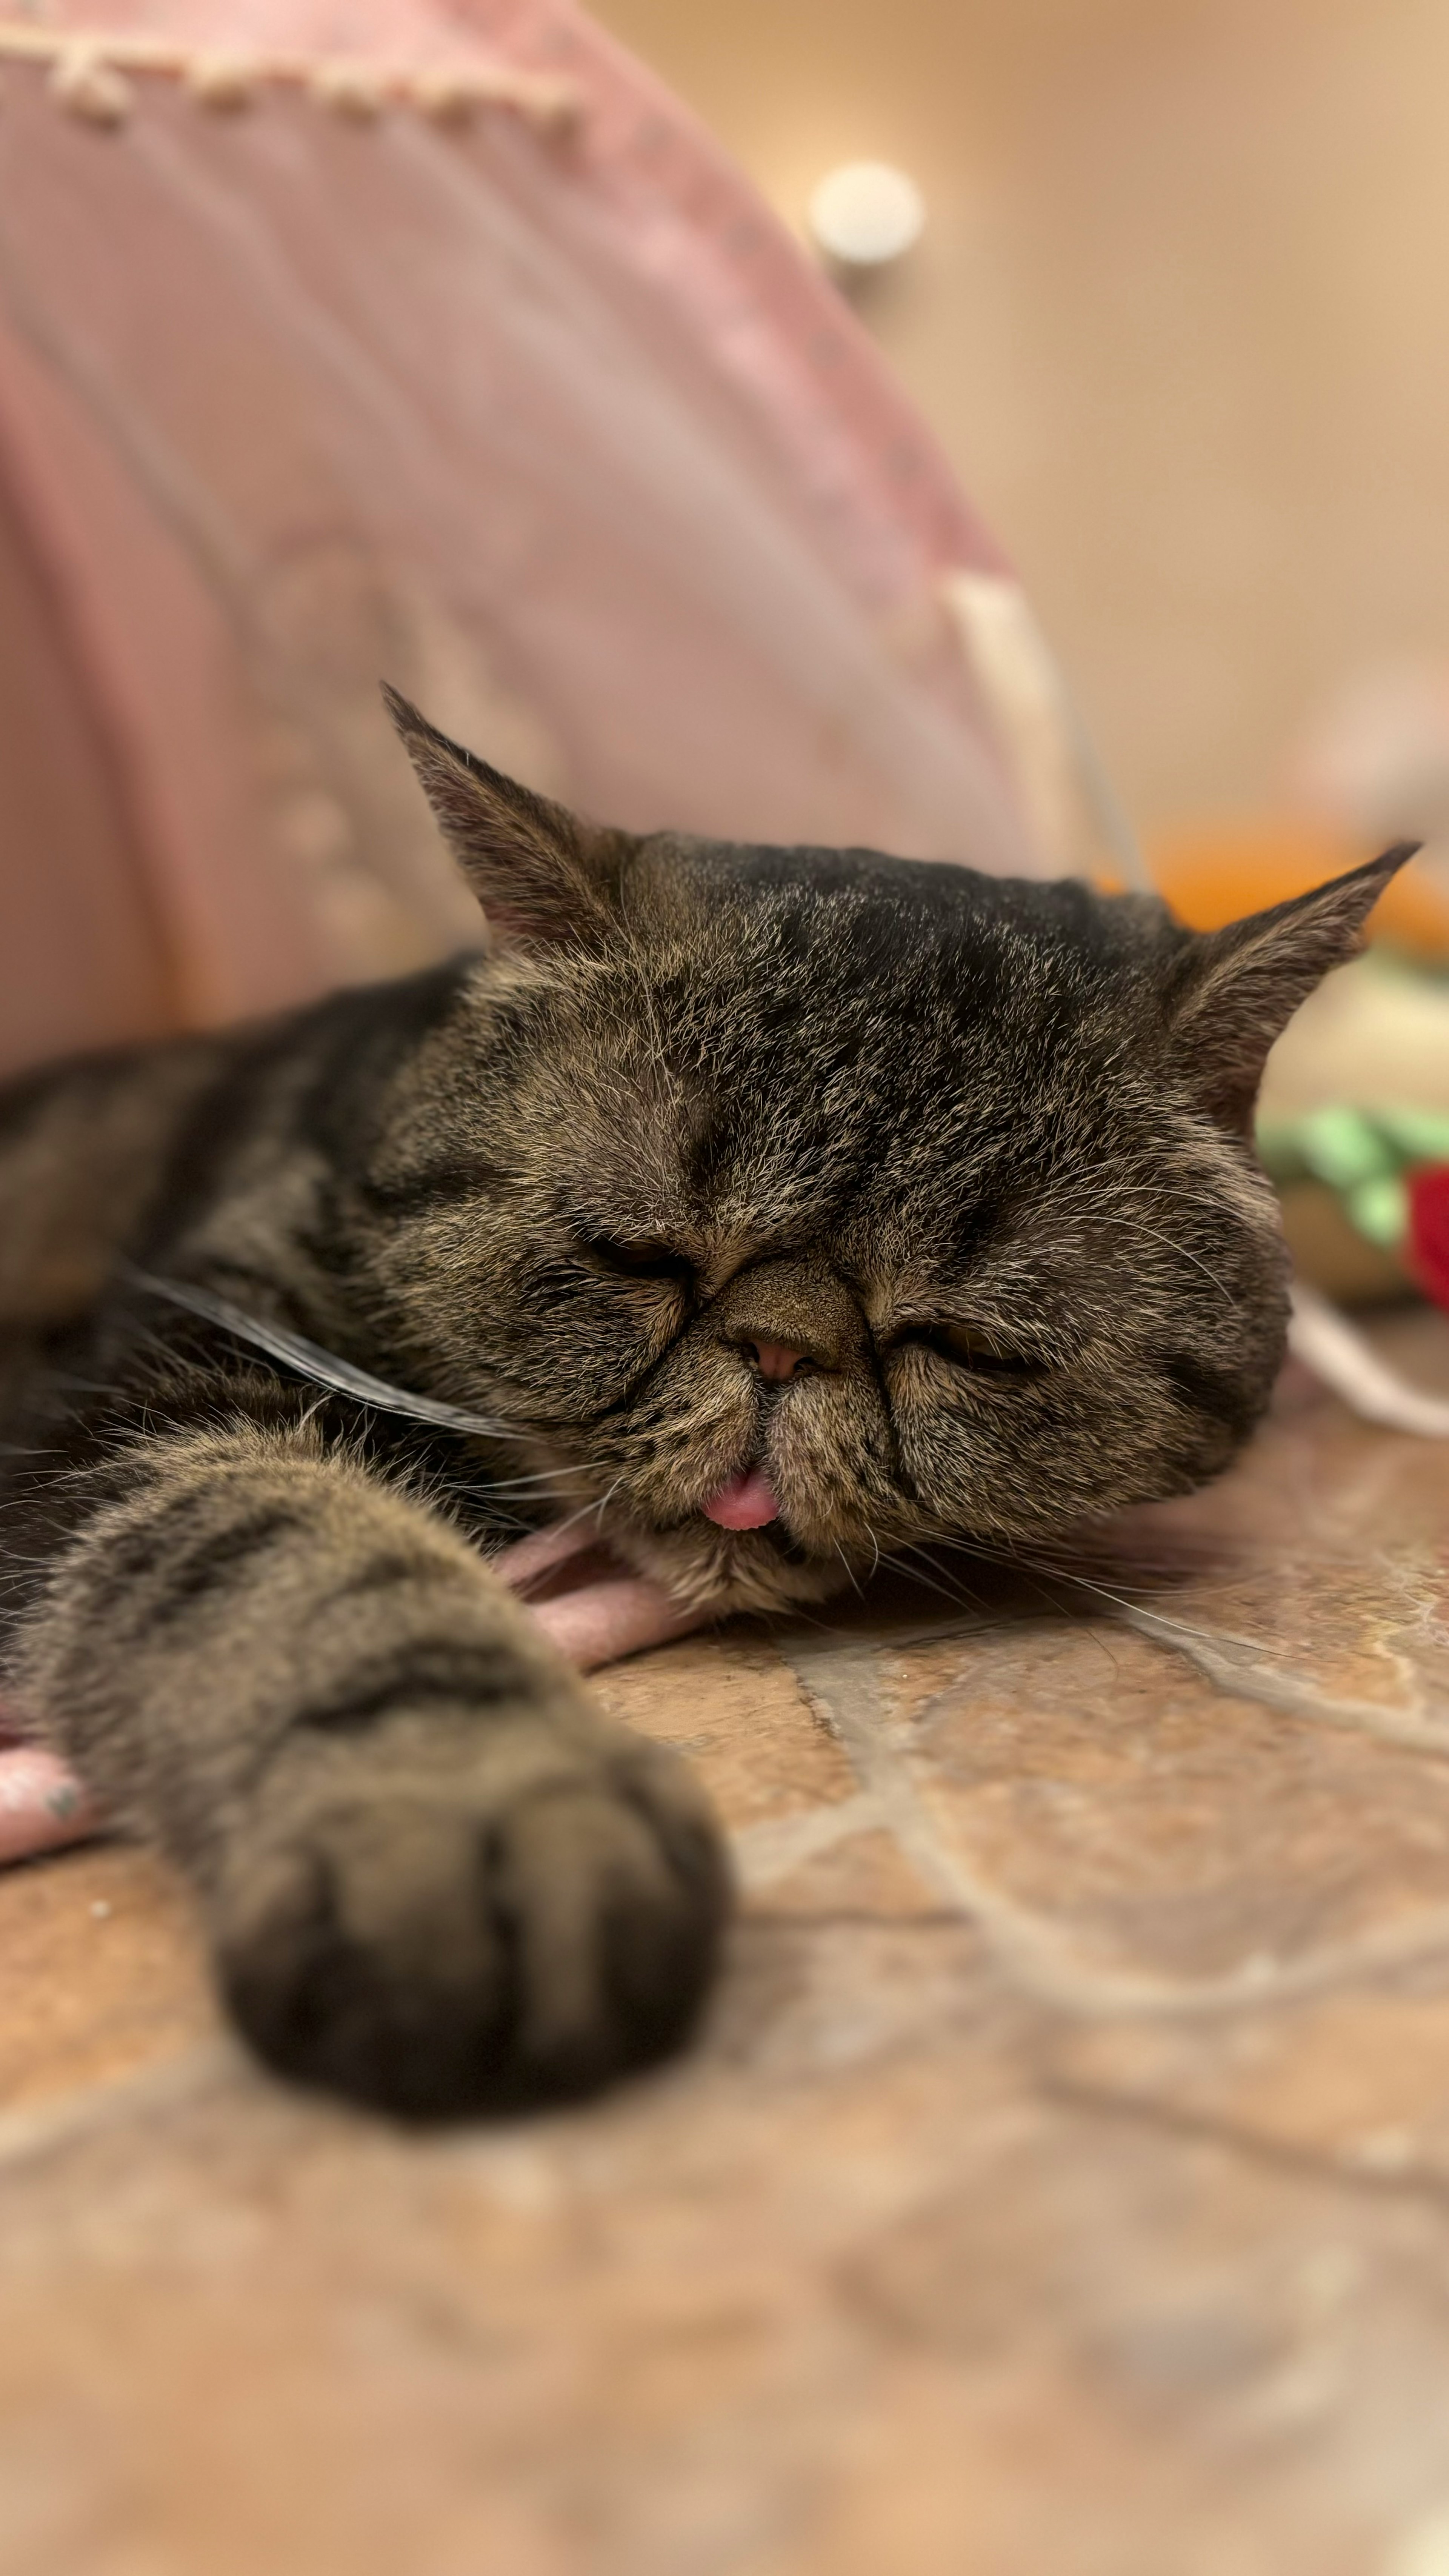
(694, 1098)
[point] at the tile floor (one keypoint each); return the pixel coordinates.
(1062, 2184)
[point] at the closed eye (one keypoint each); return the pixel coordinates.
(973, 1346)
(640, 1259)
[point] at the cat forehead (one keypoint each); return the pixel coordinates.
(768, 1117)
(885, 996)
(872, 1025)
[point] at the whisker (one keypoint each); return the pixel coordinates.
(1076, 1576)
(959, 1598)
(1141, 1226)
(849, 1571)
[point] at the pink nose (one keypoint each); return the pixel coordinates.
(775, 1360)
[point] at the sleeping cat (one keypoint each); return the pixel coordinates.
(782, 1208)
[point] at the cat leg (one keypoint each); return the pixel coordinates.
(43, 1806)
(436, 1878)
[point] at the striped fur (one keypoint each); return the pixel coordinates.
(971, 1149)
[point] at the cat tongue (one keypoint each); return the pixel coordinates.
(746, 1502)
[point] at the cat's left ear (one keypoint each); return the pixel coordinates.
(539, 873)
(1231, 992)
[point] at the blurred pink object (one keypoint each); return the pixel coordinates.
(430, 339)
(42, 1804)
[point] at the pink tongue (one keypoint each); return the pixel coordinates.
(746, 1502)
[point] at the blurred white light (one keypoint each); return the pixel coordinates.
(866, 213)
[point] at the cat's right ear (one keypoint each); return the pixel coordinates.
(539, 873)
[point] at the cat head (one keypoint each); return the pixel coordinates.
(799, 1207)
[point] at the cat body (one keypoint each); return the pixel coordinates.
(783, 1210)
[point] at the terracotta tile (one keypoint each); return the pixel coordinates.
(1360, 2079)
(739, 1714)
(103, 1973)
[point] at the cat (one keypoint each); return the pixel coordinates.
(786, 1208)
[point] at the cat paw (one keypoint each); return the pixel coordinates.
(438, 1946)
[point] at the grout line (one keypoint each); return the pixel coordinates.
(1034, 1950)
(766, 1853)
(1294, 1697)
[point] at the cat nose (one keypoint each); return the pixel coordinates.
(790, 1320)
(776, 1360)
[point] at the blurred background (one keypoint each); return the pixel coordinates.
(1176, 314)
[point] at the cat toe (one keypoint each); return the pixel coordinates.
(435, 1956)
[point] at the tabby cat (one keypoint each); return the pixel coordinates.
(784, 1207)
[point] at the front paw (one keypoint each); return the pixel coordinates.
(474, 1932)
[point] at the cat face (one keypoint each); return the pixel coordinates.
(800, 1207)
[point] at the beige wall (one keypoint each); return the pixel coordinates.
(1181, 320)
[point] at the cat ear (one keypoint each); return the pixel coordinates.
(538, 872)
(1231, 992)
